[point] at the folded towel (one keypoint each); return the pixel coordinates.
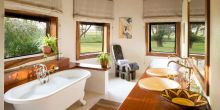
(122, 62)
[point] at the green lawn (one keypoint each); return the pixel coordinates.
(92, 42)
(90, 47)
(197, 47)
(167, 47)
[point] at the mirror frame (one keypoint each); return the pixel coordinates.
(203, 80)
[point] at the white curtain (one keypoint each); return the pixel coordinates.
(169, 9)
(93, 8)
(50, 4)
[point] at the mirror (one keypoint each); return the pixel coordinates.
(198, 39)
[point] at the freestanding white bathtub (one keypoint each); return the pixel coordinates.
(63, 89)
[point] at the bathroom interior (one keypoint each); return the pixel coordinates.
(109, 54)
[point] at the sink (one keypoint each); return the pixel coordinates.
(158, 84)
(161, 72)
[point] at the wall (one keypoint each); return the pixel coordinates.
(215, 55)
(67, 41)
(184, 29)
(1, 55)
(133, 49)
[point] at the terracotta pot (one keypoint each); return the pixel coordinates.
(104, 63)
(46, 49)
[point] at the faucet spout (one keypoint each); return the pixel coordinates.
(178, 63)
(42, 73)
(187, 67)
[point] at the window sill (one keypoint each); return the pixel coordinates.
(161, 54)
(23, 57)
(19, 61)
(198, 56)
(87, 56)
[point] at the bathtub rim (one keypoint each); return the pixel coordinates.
(8, 99)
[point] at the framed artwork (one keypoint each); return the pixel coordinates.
(125, 27)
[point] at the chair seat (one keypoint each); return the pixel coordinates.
(133, 66)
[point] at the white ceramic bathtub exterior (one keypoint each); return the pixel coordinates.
(63, 89)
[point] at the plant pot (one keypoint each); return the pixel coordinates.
(104, 63)
(46, 49)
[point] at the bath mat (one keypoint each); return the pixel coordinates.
(104, 104)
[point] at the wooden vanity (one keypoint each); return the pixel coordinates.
(140, 99)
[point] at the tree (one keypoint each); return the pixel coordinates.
(23, 37)
(84, 29)
(196, 33)
(159, 31)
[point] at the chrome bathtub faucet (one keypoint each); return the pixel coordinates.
(42, 73)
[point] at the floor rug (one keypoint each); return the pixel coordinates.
(104, 104)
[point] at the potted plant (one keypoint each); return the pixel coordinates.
(104, 59)
(49, 45)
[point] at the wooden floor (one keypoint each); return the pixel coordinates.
(104, 104)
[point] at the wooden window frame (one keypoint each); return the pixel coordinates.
(52, 29)
(80, 56)
(198, 56)
(148, 40)
(204, 81)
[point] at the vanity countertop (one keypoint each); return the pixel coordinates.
(139, 99)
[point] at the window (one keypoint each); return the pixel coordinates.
(162, 38)
(24, 32)
(197, 39)
(91, 39)
(23, 35)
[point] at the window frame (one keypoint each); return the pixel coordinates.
(148, 40)
(198, 56)
(105, 39)
(52, 29)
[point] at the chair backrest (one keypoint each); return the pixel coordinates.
(117, 52)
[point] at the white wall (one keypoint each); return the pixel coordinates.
(184, 30)
(215, 55)
(67, 41)
(67, 31)
(1, 55)
(133, 49)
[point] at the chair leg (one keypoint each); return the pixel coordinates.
(128, 76)
(122, 76)
(133, 75)
(117, 73)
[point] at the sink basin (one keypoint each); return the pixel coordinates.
(161, 72)
(158, 84)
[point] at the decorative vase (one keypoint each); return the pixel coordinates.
(104, 63)
(46, 49)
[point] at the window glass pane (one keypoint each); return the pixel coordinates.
(23, 36)
(197, 38)
(91, 38)
(163, 38)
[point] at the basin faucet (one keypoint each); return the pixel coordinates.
(42, 73)
(181, 58)
(187, 67)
